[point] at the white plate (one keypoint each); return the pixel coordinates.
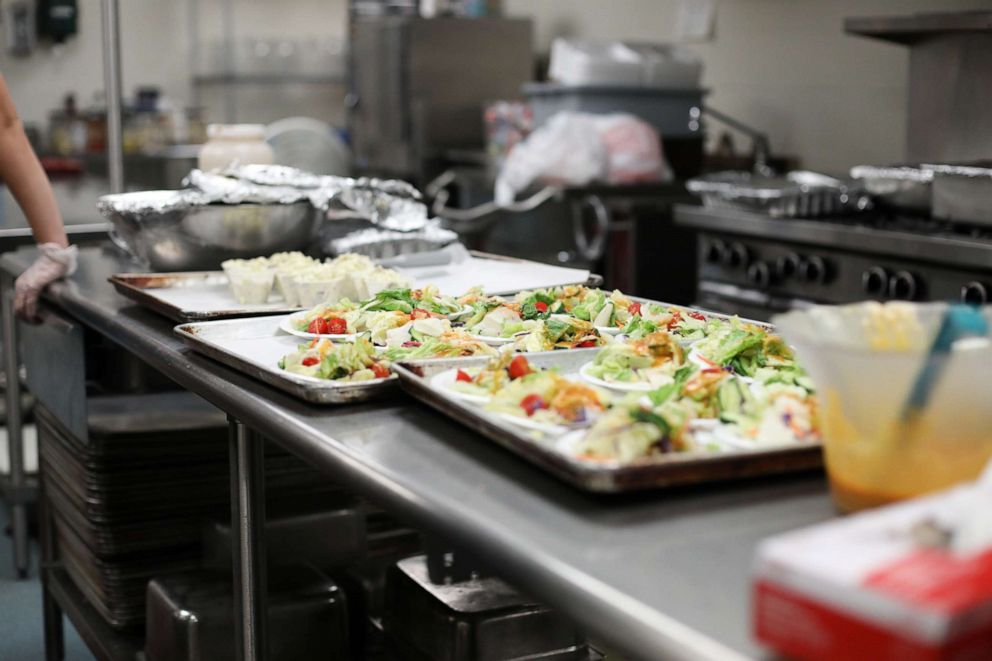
(493, 341)
(444, 380)
(286, 325)
(533, 425)
(613, 385)
(461, 314)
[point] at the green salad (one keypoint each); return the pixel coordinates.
(752, 351)
(407, 301)
(559, 333)
(704, 410)
(323, 359)
(651, 361)
(451, 344)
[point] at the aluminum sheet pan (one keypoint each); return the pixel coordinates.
(677, 469)
(497, 275)
(254, 347)
(799, 194)
(205, 295)
(191, 296)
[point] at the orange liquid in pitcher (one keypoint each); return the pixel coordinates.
(903, 460)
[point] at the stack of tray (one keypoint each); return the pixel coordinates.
(129, 504)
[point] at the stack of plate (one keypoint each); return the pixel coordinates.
(130, 503)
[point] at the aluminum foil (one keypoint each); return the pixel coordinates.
(388, 204)
(732, 185)
(970, 171)
(381, 243)
(152, 202)
(282, 175)
(390, 212)
(220, 188)
(915, 174)
(799, 194)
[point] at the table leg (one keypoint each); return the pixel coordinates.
(51, 613)
(15, 446)
(247, 456)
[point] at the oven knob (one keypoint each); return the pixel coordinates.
(787, 265)
(714, 251)
(736, 255)
(904, 286)
(759, 274)
(974, 293)
(875, 281)
(814, 269)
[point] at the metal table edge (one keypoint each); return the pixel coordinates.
(638, 627)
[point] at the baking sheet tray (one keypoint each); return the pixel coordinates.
(206, 296)
(254, 346)
(192, 296)
(497, 275)
(651, 473)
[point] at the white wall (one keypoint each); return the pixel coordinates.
(154, 51)
(155, 36)
(784, 66)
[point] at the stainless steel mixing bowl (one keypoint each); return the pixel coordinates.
(201, 237)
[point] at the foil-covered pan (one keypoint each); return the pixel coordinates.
(181, 231)
(248, 211)
(799, 194)
(962, 193)
(665, 471)
(897, 188)
(254, 347)
(385, 244)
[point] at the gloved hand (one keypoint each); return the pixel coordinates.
(54, 263)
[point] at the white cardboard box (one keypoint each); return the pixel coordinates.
(870, 586)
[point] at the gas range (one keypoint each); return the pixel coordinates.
(756, 266)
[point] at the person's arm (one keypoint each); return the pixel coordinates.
(22, 173)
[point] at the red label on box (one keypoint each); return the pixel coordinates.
(805, 629)
(937, 580)
(802, 628)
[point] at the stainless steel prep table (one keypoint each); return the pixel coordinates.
(653, 575)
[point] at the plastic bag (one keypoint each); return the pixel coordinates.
(575, 148)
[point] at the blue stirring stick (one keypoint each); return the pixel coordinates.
(959, 321)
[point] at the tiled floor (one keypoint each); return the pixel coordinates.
(20, 610)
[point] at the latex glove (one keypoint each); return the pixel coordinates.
(54, 263)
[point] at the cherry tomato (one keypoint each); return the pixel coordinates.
(318, 326)
(380, 371)
(518, 367)
(586, 344)
(463, 376)
(420, 313)
(541, 306)
(532, 403)
(634, 308)
(310, 361)
(337, 326)
(697, 315)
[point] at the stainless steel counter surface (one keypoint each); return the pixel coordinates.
(663, 575)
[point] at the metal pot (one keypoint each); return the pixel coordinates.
(200, 237)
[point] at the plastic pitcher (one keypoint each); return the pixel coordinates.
(864, 360)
